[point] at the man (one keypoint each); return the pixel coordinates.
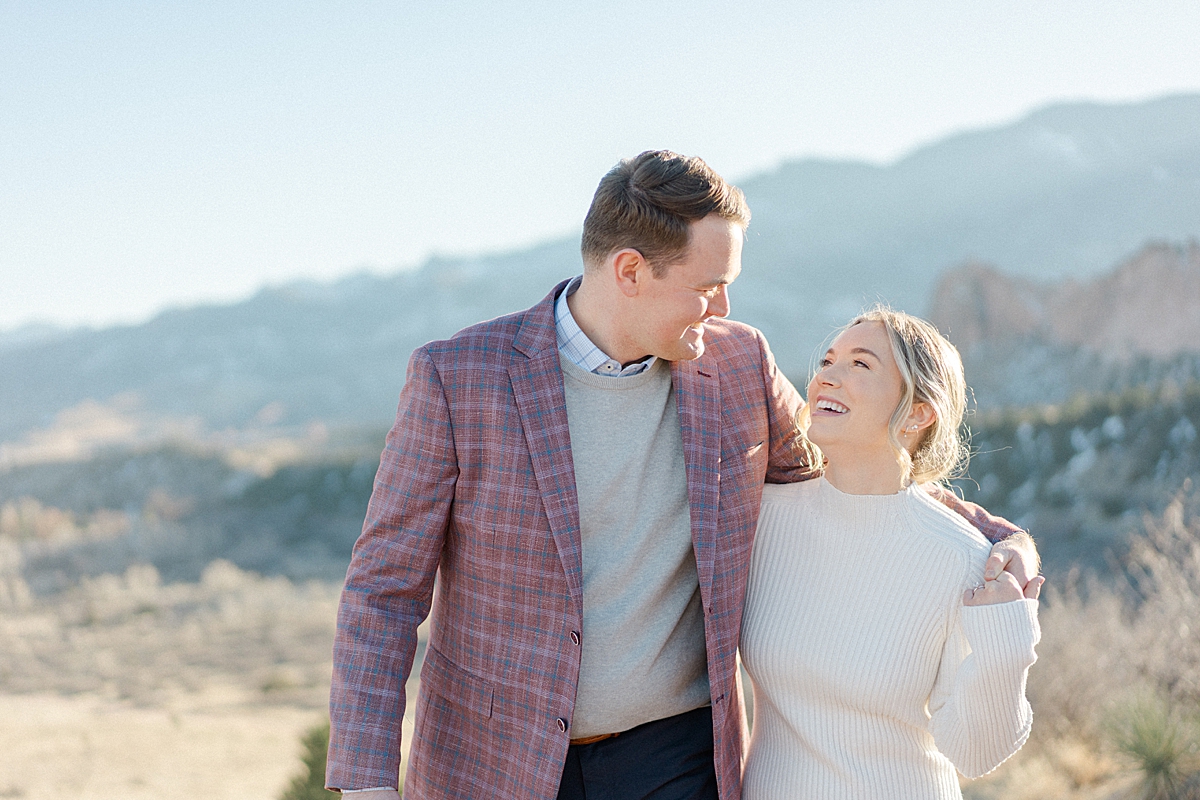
(583, 478)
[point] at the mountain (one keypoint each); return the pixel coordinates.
(1067, 191)
(1041, 341)
(287, 356)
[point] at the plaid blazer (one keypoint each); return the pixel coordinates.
(476, 485)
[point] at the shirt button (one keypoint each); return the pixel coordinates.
(562, 724)
(575, 637)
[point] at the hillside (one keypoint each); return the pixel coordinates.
(1067, 191)
(1081, 475)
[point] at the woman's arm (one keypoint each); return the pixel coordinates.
(979, 713)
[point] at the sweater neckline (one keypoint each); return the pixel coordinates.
(868, 511)
(572, 371)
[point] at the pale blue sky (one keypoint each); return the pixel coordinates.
(156, 154)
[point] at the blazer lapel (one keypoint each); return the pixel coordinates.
(698, 394)
(537, 384)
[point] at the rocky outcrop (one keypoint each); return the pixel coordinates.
(1147, 306)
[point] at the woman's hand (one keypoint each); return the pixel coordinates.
(1002, 589)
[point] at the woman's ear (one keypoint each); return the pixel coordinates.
(919, 418)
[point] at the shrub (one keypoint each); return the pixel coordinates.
(310, 785)
(1162, 747)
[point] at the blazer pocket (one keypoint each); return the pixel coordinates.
(750, 456)
(453, 683)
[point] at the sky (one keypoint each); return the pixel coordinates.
(155, 155)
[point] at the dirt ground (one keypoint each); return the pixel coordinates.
(128, 688)
(211, 745)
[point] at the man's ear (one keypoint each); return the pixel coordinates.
(630, 270)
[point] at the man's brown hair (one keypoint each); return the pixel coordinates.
(649, 202)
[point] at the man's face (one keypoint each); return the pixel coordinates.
(673, 309)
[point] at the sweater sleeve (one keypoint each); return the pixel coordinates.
(979, 713)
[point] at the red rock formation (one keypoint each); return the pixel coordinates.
(1149, 305)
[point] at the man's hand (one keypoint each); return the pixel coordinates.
(1017, 556)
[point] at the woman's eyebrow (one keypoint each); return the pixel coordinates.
(868, 352)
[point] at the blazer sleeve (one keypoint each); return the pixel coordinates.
(389, 585)
(993, 528)
(790, 458)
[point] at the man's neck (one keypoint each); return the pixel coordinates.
(599, 319)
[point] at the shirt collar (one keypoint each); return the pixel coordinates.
(580, 350)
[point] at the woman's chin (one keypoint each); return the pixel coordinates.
(826, 444)
(821, 433)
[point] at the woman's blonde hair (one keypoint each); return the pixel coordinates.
(931, 372)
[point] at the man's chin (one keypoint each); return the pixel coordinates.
(691, 346)
(690, 352)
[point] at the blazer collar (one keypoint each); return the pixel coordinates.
(537, 385)
(537, 333)
(538, 388)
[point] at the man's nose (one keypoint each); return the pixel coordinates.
(719, 305)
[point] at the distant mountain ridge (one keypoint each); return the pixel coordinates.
(1067, 191)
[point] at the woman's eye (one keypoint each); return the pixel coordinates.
(825, 362)
(861, 364)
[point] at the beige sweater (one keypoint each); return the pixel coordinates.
(643, 626)
(871, 679)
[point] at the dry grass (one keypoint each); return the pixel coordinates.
(1117, 684)
(131, 637)
(126, 687)
(221, 742)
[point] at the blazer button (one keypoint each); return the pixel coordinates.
(575, 637)
(562, 724)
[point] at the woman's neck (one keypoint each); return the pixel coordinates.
(864, 473)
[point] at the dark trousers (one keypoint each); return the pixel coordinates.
(668, 759)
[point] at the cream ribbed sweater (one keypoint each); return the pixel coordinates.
(871, 679)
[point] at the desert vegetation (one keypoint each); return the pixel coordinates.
(1116, 690)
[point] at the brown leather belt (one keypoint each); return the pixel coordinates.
(594, 739)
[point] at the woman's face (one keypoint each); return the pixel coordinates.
(854, 393)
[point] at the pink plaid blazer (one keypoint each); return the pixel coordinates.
(476, 486)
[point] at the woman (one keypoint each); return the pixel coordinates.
(880, 659)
